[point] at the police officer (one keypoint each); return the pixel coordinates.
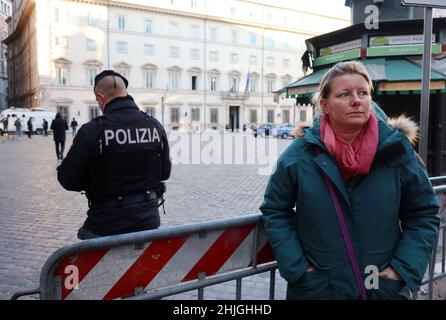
(120, 160)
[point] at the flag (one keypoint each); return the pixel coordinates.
(247, 83)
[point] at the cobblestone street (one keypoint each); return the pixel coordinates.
(37, 215)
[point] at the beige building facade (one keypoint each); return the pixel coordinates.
(194, 65)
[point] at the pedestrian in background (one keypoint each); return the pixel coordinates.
(73, 126)
(45, 127)
(30, 127)
(18, 127)
(349, 197)
(59, 127)
(5, 124)
(122, 176)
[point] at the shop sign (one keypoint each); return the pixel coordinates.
(409, 85)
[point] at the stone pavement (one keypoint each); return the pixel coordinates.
(37, 216)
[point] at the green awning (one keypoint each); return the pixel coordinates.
(405, 70)
(390, 74)
(376, 68)
(304, 88)
(310, 80)
(438, 64)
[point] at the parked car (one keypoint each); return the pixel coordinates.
(262, 130)
(284, 131)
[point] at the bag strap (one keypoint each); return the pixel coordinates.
(346, 236)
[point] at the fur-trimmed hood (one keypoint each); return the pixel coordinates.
(407, 126)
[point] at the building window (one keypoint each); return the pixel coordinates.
(213, 56)
(214, 34)
(286, 116)
(175, 115)
(269, 43)
(193, 3)
(253, 60)
(194, 83)
(173, 29)
(148, 26)
(270, 116)
(62, 76)
(253, 39)
(174, 80)
(194, 31)
(62, 42)
(195, 114)
(234, 85)
(286, 63)
(174, 52)
(213, 83)
(150, 111)
(233, 11)
(270, 16)
(121, 22)
(234, 37)
(286, 46)
(253, 116)
(149, 80)
(270, 61)
(285, 83)
(253, 85)
(303, 115)
(121, 47)
(195, 54)
(214, 115)
(149, 50)
(63, 110)
(270, 85)
(91, 45)
(91, 74)
(92, 20)
(94, 112)
(234, 57)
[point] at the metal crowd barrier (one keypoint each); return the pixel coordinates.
(172, 260)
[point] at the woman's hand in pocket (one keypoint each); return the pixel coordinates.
(390, 273)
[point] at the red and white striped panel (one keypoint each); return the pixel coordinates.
(118, 272)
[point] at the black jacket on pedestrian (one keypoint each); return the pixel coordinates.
(59, 126)
(77, 172)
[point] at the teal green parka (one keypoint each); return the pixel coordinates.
(391, 214)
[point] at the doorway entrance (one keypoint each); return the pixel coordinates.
(234, 118)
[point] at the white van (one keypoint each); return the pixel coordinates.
(37, 114)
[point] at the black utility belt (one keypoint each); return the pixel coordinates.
(123, 201)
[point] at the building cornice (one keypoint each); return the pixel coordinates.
(149, 103)
(118, 4)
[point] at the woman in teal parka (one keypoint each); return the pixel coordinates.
(387, 201)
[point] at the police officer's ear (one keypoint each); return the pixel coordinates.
(100, 98)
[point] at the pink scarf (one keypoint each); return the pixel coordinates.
(353, 159)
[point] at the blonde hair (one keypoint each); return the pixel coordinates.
(339, 69)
